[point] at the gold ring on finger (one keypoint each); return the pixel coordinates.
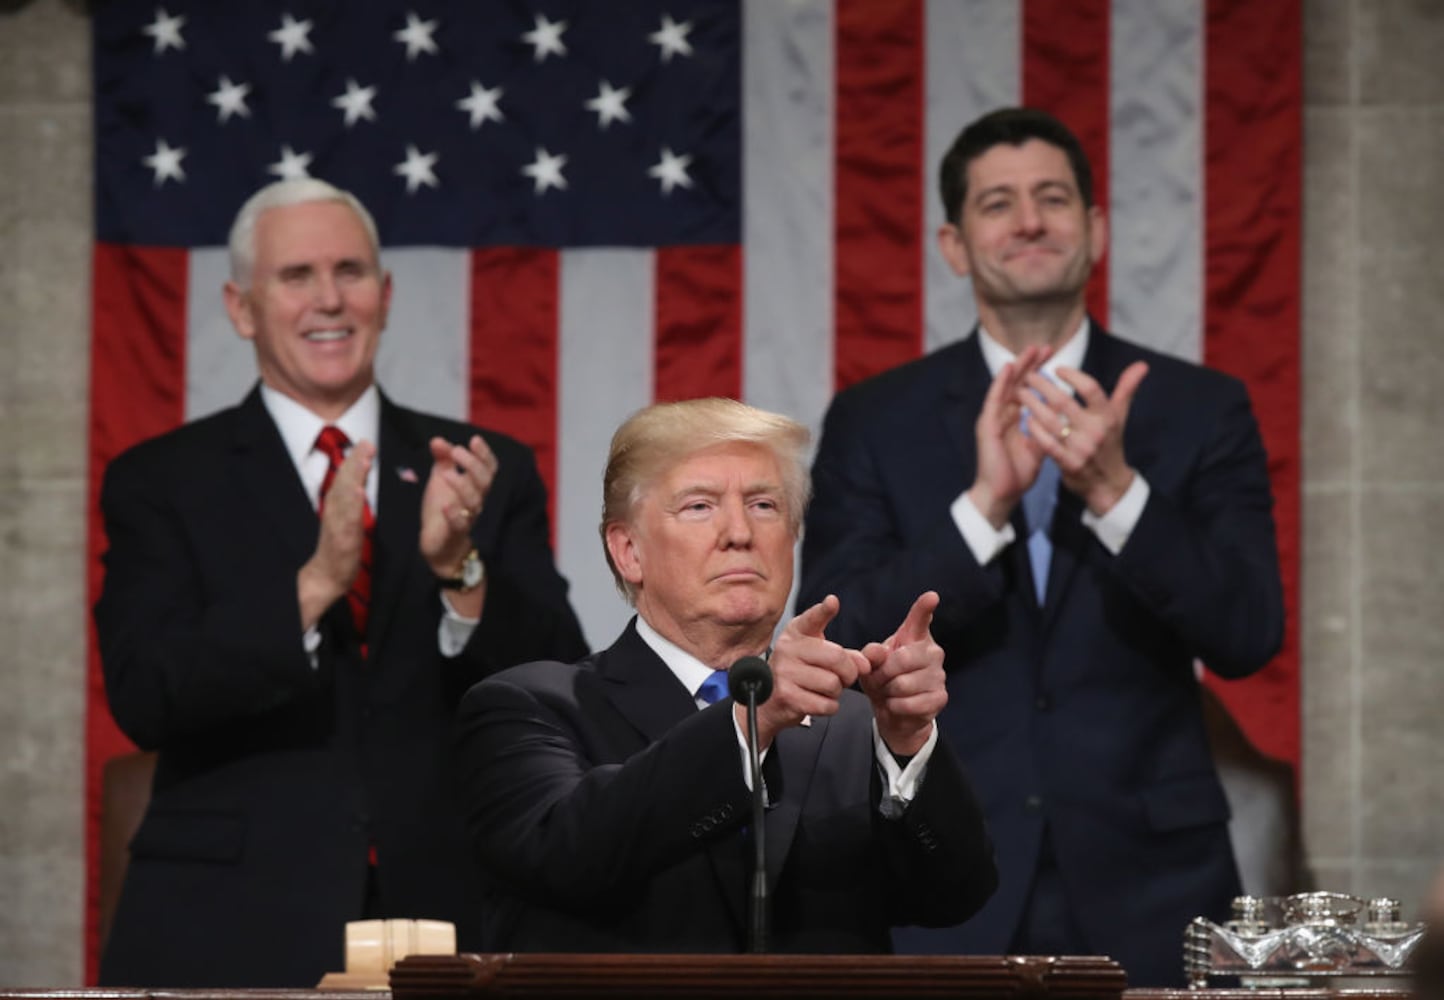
(1064, 431)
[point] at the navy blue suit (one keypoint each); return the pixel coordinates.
(276, 777)
(607, 812)
(1082, 714)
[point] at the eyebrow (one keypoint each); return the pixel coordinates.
(712, 489)
(1043, 185)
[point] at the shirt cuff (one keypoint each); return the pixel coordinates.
(311, 642)
(982, 538)
(454, 631)
(1114, 527)
(901, 782)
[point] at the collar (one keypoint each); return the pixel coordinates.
(299, 426)
(688, 670)
(1070, 355)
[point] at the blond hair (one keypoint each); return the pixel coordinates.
(657, 438)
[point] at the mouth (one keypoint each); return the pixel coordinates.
(741, 575)
(325, 336)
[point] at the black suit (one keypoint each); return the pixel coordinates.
(275, 777)
(1082, 715)
(607, 812)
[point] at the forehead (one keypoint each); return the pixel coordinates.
(1034, 162)
(312, 229)
(734, 463)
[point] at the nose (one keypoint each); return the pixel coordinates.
(328, 293)
(734, 527)
(1029, 220)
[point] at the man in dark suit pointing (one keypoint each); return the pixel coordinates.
(607, 799)
(1095, 516)
(299, 676)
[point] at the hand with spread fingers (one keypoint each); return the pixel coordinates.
(1008, 459)
(331, 570)
(905, 680)
(455, 492)
(809, 673)
(1085, 438)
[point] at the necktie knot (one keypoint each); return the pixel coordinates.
(333, 442)
(714, 688)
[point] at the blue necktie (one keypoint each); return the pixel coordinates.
(1038, 504)
(714, 688)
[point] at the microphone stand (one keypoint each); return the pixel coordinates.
(757, 930)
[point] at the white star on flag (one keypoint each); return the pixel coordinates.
(609, 104)
(292, 166)
(546, 170)
(230, 99)
(166, 31)
(546, 38)
(166, 163)
(416, 36)
(416, 168)
(292, 37)
(671, 170)
(356, 102)
(481, 104)
(671, 38)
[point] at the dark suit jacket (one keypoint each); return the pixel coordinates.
(1084, 714)
(607, 810)
(275, 777)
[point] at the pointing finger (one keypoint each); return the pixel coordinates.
(919, 620)
(812, 621)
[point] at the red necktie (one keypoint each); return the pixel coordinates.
(333, 442)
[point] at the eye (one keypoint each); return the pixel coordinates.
(766, 505)
(694, 510)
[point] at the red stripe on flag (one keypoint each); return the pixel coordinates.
(137, 390)
(1253, 134)
(698, 322)
(878, 187)
(1066, 53)
(514, 323)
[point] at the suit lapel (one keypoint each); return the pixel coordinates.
(267, 479)
(404, 461)
(797, 751)
(1070, 538)
(638, 683)
(963, 392)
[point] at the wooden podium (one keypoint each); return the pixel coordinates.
(753, 977)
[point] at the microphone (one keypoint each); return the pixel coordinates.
(750, 681)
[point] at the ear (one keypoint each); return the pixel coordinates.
(626, 555)
(954, 250)
(385, 297)
(238, 308)
(1097, 234)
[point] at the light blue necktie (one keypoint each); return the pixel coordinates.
(714, 688)
(1038, 504)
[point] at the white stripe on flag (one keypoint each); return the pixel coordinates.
(788, 104)
(1155, 278)
(974, 64)
(605, 374)
(220, 366)
(423, 361)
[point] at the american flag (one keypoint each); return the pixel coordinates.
(587, 206)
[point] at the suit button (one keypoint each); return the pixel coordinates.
(1033, 803)
(1044, 703)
